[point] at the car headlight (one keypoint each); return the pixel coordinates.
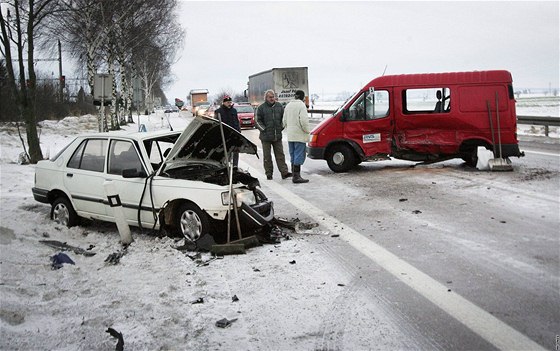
(247, 197)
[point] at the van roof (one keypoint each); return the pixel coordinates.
(497, 76)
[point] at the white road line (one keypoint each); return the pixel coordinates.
(541, 153)
(475, 318)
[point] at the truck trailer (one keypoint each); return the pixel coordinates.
(198, 97)
(284, 81)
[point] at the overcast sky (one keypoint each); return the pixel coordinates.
(346, 44)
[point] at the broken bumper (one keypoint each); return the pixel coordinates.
(257, 215)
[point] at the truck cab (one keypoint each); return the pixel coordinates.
(420, 117)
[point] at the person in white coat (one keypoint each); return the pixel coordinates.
(296, 124)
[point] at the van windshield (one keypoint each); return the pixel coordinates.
(345, 102)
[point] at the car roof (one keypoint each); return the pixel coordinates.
(133, 135)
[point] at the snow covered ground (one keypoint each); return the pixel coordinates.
(158, 297)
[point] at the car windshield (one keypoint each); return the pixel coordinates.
(244, 109)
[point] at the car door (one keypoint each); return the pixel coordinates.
(84, 177)
(368, 122)
(125, 155)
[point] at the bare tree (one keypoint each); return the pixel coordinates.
(20, 22)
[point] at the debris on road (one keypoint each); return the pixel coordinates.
(118, 336)
(59, 259)
(65, 247)
(115, 257)
(197, 301)
(224, 323)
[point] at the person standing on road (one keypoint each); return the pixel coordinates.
(296, 122)
(228, 115)
(269, 123)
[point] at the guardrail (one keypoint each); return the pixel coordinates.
(527, 120)
(539, 121)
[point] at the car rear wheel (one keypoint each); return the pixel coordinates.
(63, 213)
(341, 158)
(191, 222)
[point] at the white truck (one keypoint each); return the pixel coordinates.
(284, 81)
(198, 97)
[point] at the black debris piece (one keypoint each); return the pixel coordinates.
(118, 336)
(115, 257)
(199, 300)
(59, 259)
(59, 245)
(234, 298)
(416, 211)
(403, 200)
(335, 235)
(293, 262)
(224, 322)
(340, 284)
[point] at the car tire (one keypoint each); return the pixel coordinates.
(63, 213)
(341, 158)
(191, 222)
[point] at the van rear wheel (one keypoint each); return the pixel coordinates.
(341, 158)
(471, 158)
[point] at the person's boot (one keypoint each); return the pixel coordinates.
(296, 178)
(286, 175)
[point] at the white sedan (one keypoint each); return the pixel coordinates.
(177, 182)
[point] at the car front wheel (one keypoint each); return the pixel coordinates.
(341, 158)
(63, 213)
(191, 222)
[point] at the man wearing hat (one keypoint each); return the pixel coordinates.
(228, 116)
(296, 123)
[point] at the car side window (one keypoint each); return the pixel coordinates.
(90, 155)
(123, 155)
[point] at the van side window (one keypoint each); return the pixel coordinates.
(427, 100)
(377, 104)
(370, 106)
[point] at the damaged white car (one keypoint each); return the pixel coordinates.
(172, 181)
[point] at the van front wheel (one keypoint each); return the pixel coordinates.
(341, 158)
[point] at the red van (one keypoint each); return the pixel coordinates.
(420, 117)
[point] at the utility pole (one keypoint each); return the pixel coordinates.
(61, 80)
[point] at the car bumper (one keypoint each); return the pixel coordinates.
(40, 195)
(257, 215)
(316, 153)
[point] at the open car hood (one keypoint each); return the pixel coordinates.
(202, 142)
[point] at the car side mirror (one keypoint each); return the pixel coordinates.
(345, 114)
(133, 173)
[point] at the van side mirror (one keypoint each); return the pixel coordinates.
(345, 114)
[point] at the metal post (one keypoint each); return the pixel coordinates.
(61, 89)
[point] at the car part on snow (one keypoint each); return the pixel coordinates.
(224, 322)
(115, 257)
(65, 247)
(118, 336)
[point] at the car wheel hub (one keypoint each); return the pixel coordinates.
(191, 226)
(338, 158)
(61, 215)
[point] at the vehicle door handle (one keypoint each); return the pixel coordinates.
(69, 175)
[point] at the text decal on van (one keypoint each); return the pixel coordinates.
(371, 138)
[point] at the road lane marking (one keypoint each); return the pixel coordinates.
(475, 318)
(541, 153)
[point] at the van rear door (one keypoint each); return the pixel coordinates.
(367, 122)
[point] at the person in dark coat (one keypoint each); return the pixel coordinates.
(269, 123)
(228, 115)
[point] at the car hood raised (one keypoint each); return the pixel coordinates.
(201, 141)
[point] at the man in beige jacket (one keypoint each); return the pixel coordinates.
(296, 124)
